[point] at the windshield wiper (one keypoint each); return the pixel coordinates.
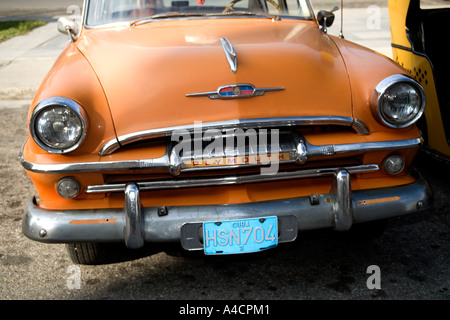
(193, 14)
(246, 13)
(165, 15)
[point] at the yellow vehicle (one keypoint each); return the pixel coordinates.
(421, 44)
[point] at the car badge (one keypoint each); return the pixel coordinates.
(235, 91)
(230, 53)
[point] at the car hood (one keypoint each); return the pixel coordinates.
(148, 71)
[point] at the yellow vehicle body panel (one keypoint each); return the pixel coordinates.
(421, 69)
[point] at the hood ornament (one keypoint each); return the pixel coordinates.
(230, 53)
(235, 91)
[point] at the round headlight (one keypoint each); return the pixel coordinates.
(58, 125)
(398, 101)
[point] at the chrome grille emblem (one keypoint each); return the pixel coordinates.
(235, 91)
(230, 53)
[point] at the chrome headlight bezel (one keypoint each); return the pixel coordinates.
(379, 97)
(62, 102)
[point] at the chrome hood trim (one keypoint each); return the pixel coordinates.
(253, 92)
(230, 53)
(358, 126)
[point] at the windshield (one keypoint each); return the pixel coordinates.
(100, 12)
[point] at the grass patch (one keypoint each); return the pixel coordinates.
(10, 29)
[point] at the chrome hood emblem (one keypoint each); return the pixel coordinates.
(235, 91)
(230, 53)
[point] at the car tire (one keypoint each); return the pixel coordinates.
(366, 232)
(86, 253)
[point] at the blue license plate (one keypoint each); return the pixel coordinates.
(240, 236)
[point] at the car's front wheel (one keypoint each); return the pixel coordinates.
(86, 253)
(364, 232)
(367, 231)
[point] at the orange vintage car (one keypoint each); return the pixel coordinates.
(226, 126)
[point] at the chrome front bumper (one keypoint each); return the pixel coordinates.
(135, 225)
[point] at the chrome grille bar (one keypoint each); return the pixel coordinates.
(231, 180)
(304, 151)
